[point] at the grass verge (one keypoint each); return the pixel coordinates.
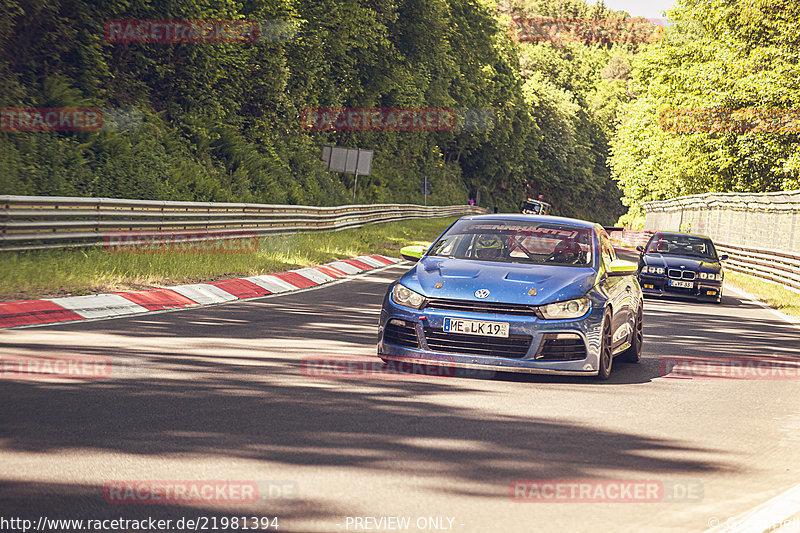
(781, 298)
(52, 273)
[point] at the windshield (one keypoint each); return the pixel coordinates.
(514, 241)
(686, 245)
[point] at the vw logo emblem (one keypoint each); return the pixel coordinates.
(481, 293)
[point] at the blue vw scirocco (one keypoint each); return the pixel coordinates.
(515, 293)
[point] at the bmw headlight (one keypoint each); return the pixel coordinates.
(711, 276)
(569, 309)
(404, 296)
(653, 270)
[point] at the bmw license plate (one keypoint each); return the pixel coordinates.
(681, 284)
(476, 327)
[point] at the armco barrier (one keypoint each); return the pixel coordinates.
(35, 222)
(759, 232)
(778, 267)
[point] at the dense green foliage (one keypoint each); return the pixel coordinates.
(730, 54)
(573, 91)
(220, 122)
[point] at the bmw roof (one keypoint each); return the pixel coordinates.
(680, 233)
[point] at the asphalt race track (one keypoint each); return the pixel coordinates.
(226, 393)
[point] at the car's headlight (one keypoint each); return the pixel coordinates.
(711, 275)
(569, 309)
(404, 296)
(652, 270)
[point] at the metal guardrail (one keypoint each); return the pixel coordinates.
(774, 266)
(37, 222)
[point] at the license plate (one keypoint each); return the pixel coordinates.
(682, 284)
(476, 327)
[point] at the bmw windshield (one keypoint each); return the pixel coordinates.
(685, 245)
(515, 241)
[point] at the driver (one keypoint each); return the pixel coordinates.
(488, 246)
(567, 251)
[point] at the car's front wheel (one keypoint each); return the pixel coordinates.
(606, 348)
(634, 353)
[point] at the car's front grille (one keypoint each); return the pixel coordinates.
(514, 346)
(674, 273)
(482, 307)
(401, 333)
(561, 347)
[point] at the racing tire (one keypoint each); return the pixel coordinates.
(606, 358)
(634, 353)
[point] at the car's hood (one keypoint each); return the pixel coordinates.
(506, 282)
(680, 261)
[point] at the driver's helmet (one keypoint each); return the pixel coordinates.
(488, 246)
(567, 251)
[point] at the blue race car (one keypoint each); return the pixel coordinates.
(515, 293)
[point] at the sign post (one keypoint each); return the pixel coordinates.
(348, 160)
(355, 184)
(425, 188)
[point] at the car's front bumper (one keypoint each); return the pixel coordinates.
(587, 327)
(658, 285)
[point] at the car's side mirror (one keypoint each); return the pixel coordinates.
(412, 253)
(640, 248)
(723, 257)
(620, 267)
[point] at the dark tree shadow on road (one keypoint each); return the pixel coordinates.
(247, 404)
